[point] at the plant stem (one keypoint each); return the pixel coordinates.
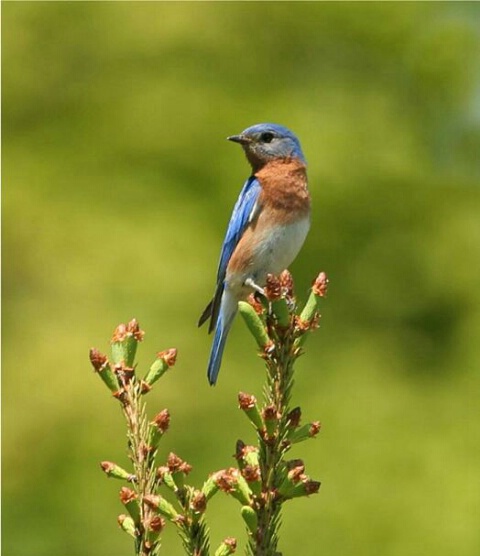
(272, 447)
(137, 431)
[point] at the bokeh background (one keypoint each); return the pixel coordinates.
(117, 187)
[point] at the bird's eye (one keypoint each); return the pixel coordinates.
(266, 137)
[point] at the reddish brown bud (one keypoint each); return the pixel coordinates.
(121, 396)
(180, 519)
(311, 487)
(286, 283)
(306, 325)
(232, 482)
(320, 285)
(113, 470)
(253, 301)
(246, 401)
(145, 388)
(120, 333)
(302, 325)
(121, 519)
(315, 322)
(169, 356)
(315, 428)
(295, 463)
(127, 524)
(133, 329)
(162, 420)
(268, 350)
(199, 502)
(251, 473)
(127, 495)
(224, 480)
(296, 474)
(176, 464)
(273, 289)
(97, 359)
(294, 417)
(285, 445)
(270, 417)
(107, 466)
(231, 543)
(185, 468)
(162, 471)
(156, 523)
(123, 373)
(269, 413)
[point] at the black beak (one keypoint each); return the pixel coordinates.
(240, 139)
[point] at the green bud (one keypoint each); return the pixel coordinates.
(251, 456)
(130, 500)
(302, 488)
(310, 308)
(228, 547)
(155, 527)
(310, 430)
(280, 309)
(157, 428)
(124, 351)
(270, 418)
(252, 474)
(165, 477)
(231, 481)
(210, 487)
(157, 370)
(250, 517)
(124, 343)
(158, 504)
(248, 404)
(254, 324)
(116, 472)
(102, 366)
(243, 493)
(179, 469)
(308, 320)
(179, 479)
(165, 360)
(127, 524)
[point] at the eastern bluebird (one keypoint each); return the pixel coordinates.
(268, 226)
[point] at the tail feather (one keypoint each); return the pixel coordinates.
(216, 307)
(212, 310)
(206, 314)
(228, 309)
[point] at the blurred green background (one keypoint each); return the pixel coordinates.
(117, 187)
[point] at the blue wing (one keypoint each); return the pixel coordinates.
(241, 217)
(243, 213)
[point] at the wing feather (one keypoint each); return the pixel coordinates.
(244, 212)
(242, 215)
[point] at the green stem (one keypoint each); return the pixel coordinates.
(277, 394)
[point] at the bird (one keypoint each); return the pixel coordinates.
(267, 228)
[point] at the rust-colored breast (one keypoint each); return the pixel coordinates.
(284, 190)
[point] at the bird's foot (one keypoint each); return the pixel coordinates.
(251, 284)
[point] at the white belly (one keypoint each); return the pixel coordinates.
(274, 253)
(280, 248)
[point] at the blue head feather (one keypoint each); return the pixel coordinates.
(265, 142)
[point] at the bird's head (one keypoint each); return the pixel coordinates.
(265, 142)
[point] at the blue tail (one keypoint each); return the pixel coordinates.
(228, 309)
